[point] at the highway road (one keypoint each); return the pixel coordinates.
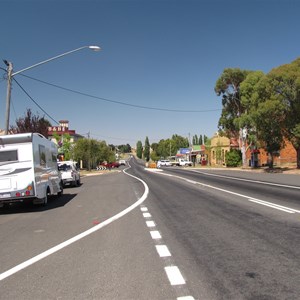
(175, 233)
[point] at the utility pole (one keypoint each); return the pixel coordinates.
(8, 94)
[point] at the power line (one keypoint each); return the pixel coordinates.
(34, 101)
(119, 102)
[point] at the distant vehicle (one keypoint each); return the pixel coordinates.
(106, 165)
(28, 169)
(70, 173)
(184, 163)
(164, 162)
(122, 162)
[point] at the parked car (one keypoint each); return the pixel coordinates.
(164, 162)
(185, 163)
(122, 162)
(70, 173)
(106, 165)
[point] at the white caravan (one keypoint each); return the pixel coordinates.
(28, 169)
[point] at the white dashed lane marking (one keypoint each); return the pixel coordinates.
(150, 223)
(147, 215)
(173, 273)
(163, 250)
(155, 235)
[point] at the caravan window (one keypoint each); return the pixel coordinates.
(42, 151)
(11, 155)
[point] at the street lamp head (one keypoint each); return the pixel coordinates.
(95, 48)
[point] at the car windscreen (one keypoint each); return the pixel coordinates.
(64, 167)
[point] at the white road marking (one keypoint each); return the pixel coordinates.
(248, 180)
(78, 237)
(146, 215)
(155, 235)
(163, 250)
(186, 298)
(273, 205)
(262, 202)
(174, 275)
(144, 208)
(150, 223)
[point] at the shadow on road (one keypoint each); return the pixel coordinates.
(28, 207)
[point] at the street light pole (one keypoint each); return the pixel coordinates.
(8, 93)
(10, 75)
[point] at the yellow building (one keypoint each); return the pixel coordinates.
(220, 145)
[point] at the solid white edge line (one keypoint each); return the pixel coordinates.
(248, 180)
(272, 205)
(174, 275)
(258, 201)
(79, 236)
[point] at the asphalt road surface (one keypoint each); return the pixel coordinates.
(175, 233)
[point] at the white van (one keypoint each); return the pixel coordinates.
(28, 169)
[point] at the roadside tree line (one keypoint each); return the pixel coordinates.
(162, 149)
(261, 110)
(90, 151)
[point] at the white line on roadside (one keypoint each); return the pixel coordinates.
(174, 275)
(248, 180)
(280, 207)
(262, 202)
(163, 250)
(79, 236)
(186, 298)
(144, 208)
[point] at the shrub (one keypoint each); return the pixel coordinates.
(233, 158)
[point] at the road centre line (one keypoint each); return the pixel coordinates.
(248, 180)
(150, 223)
(146, 215)
(174, 275)
(172, 272)
(162, 250)
(262, 202)
(155, 235)
(78, 237)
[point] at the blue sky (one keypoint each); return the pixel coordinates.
(162, 55)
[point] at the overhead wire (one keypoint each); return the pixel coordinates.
(35, 101)
(119, 102)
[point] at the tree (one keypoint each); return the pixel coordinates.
(65, 146)
(228, 86)
(124, 148)
(139, 149)
(285, 83)
(269, 129)
(147, 150)
(200, 140)
(195, 140)
(181, 142)
(31, 123)
(92, 152)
